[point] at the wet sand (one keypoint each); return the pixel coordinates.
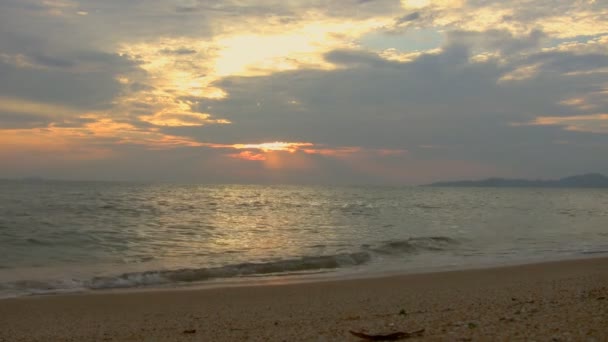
(557, 301)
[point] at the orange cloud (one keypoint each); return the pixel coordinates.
(333, 152)
(593, 123)
(181, 119)
(290, 147)
(390, 152)
(298, 155)
(353, 150)
(248, 155)
(45, 143)
(274, 155)
(277, 159)
(93, 140)
(304, 147)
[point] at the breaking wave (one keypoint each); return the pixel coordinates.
(416, 244)
(191, 275)
(188, 275)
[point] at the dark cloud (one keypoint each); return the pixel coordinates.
(9, 120)
(502, 41)
(529, 11)
(407, 18)
(91, 90)
(185, 6)
(294, 10)
(565, 62)
(438, 99)
(49, 61)
(180, 51)
(354, 58)
(136, 86)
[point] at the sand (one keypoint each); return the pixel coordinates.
(557, 301)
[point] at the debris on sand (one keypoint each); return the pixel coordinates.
(390, 337)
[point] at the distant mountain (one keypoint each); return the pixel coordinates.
(589, 180)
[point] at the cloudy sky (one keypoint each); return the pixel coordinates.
(288, 91)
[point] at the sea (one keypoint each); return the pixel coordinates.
(63, 237)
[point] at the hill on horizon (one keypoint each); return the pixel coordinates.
(589, 180)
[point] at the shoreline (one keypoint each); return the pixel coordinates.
(304, 277)
(566, 300)
(322, 275)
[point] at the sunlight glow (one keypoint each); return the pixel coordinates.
(415, 3)
(521, 73)
(302, 45)
(94, 136)
(172, 76)
(291, 147)
(248, 155)
(299, 155)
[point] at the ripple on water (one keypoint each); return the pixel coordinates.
(201, 227)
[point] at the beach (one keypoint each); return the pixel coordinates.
(553, 301)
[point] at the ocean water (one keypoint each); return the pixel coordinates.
(80, 236)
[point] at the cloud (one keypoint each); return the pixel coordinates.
(595, 123)
(248, 155)
(436, 99)
(17, 105)
(186, 5)
(368, 85)
(86, 84)
(409, 17)
(178, 51)
(498, 41)
(568, 62)
(13, 120)
(180, 119)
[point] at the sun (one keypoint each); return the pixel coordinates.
(273, 146)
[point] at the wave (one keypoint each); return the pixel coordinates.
(190, 275)
(426, 206)
(597, 251)
(34, 241)
(415, 245)
(35, 287)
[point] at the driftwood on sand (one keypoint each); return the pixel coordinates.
(389, 337)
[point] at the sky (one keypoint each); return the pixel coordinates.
(306, 92)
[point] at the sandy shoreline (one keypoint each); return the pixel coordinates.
(560, 301)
